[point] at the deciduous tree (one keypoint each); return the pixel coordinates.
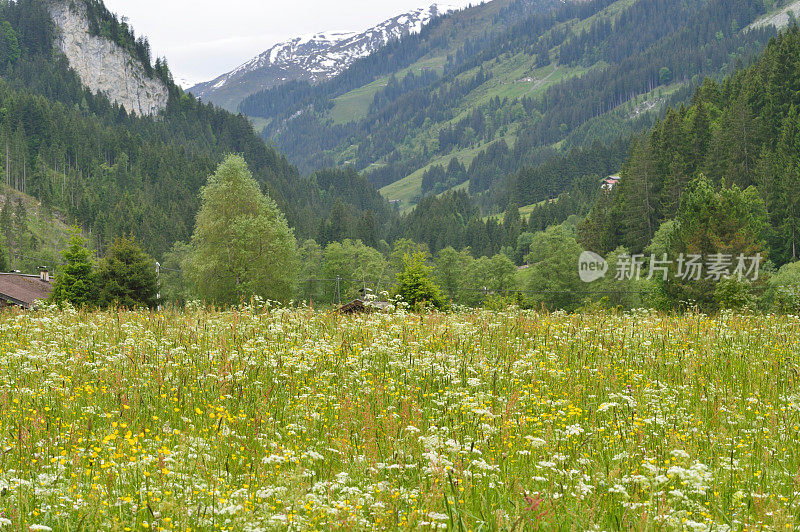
(242, 245)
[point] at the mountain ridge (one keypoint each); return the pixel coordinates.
(314, 57)
(508, 85)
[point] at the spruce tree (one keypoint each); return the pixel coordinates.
(786, 207)
(75, 283)
(415, 283)
(6, 221)
(126, 277)
(3, 256)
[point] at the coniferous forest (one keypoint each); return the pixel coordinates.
(119, 174)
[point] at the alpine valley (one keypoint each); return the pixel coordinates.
(453, 125)
(522, 265)
(480, 99)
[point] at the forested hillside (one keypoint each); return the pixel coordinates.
(116, 173)
(742, 132)
(481, 94)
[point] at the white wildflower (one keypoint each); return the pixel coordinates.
(574, 430)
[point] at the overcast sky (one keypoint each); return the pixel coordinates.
(202, 39)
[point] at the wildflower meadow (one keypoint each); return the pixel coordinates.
(259, 419)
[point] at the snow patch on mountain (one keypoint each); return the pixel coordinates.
(318, 56)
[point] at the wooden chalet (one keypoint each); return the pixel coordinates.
(24, 291)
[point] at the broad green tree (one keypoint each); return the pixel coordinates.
(75, 284)
(415, 283)
(625, 293)
(488, 276)
(242, 245)
(126, 277)
(783, 290)
(451, 268)
(356, 266)
(553, 278)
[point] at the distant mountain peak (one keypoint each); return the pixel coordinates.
(315, 57)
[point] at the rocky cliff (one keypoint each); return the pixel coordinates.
(104, 66)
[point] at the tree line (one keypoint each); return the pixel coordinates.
(718, 176)
(85, 159)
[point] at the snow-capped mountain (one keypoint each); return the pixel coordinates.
(313, 58)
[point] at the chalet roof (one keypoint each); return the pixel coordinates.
(23, 290)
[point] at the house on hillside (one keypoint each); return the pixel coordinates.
(25, 291)
(610, 182)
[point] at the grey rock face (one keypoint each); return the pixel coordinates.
(103, 66)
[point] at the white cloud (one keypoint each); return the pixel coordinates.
(202, 39)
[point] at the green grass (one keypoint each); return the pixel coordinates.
(259, 124)
(406, 189)
(611, 11)
(524, 211)
(355, 104)
(305, 420)
(48, 227)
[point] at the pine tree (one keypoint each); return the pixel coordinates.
(20, 224)
(75, 283)
(729, 222)
(6, 221)
(636, 208)
(126, 277)
(786, 210)
(3, 256)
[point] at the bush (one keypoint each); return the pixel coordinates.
(734, 294)
(415, 283)
(783, 290)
